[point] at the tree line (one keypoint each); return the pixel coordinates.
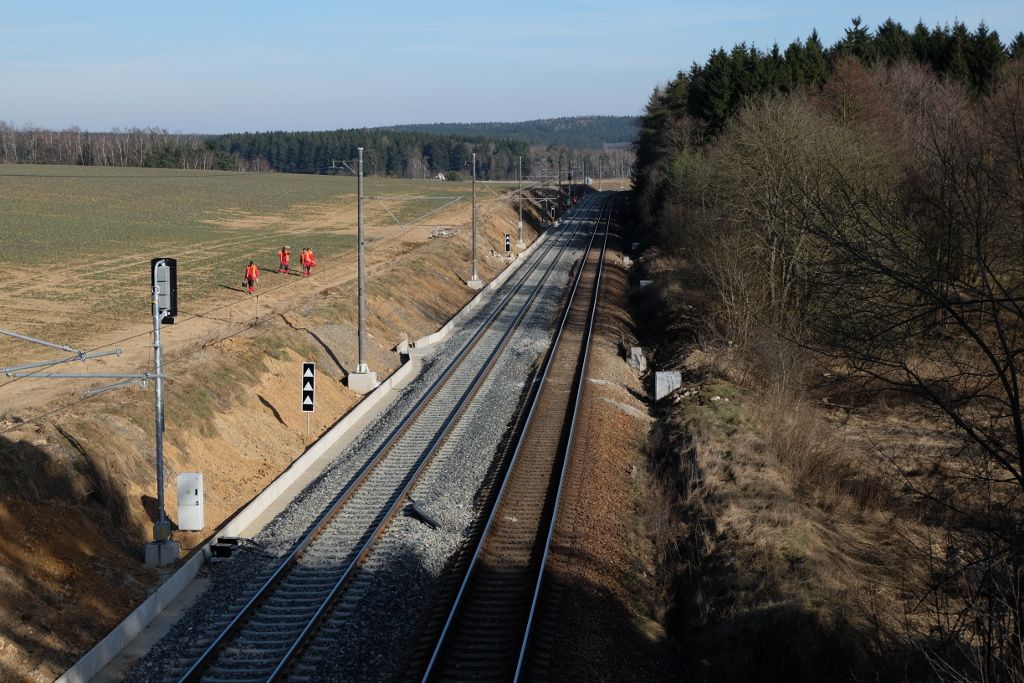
(856, 211)
(145, 147)
(386, 152)
(576, 132)
(416, 154)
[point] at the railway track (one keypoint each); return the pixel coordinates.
(486, 633)
(271, 626)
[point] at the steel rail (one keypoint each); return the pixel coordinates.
(412, 480)
(361, 475)
(577, 401)
(485, 535)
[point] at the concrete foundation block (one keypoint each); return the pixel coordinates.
(362, 382)
(646, 283)
(666, 382)
(636, 359)
(160, 553)
(475, 284)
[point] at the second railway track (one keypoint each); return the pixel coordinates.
(487, 629)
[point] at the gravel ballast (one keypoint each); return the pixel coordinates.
(381, 601)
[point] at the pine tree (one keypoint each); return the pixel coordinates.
(892, 43)
(985, 56)
(1016, 48)
(714, 91)
(921, 44)
(815, 64)
(857, 43)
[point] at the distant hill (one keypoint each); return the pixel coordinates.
(578, 132)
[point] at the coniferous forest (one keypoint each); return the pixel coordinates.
(401, 154)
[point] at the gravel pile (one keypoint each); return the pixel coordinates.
(411, 553)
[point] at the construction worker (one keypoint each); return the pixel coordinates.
(312, 260)
(283, 258)
(252, 276)
(304, 260)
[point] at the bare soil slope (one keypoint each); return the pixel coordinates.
(76, 477)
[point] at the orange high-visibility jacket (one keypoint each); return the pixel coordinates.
(284, 256)
(305, 257)
(252, 272)
(312, 258)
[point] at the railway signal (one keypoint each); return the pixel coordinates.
(162, 549)
(508, 243)
(164, 281)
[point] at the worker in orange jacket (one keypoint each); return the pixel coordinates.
(252, 276)
(284, 257)
(308, 261)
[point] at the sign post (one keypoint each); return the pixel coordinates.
(308, 390)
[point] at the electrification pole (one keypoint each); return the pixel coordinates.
(559, 182)
(361, 238)
(162, 549)
(474, 281)
(520, 244)
(362, 380)
(162, 528)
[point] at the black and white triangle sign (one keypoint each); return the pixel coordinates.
(308, 383)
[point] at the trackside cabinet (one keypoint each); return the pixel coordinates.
(190, 501)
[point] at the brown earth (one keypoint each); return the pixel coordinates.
(76, 475)
(598, 572)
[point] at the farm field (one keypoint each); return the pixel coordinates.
(78, 240)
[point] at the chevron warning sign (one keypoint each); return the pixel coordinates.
(308, 384)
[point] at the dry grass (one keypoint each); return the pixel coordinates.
(786, 549)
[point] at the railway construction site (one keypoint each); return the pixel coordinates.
(322, 360)
(391, 503)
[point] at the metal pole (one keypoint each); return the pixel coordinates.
(360, 238)
(559, 181)
(162, 529)
(62, 347)
(474, 278)
(520, 201)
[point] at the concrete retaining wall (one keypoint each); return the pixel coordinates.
(104, 651)
(479, 299)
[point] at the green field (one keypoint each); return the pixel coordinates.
(77, 240)
(53, 214)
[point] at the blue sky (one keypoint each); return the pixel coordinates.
(229, 65)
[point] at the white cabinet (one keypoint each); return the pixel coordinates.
(190, 501)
